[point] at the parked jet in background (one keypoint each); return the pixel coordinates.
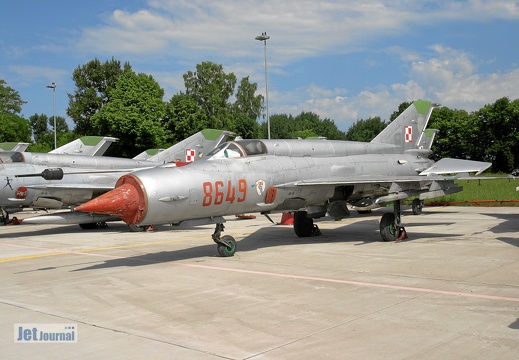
(308, 177)
(13, 146)
(67, 180)
(86, 145)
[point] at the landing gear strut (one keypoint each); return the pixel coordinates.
(226, 244)
(390, 224)
(4, 217)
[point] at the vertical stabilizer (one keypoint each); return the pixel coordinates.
(427, 139)
(192, 148)
(86, 145)
(406, 131)
(147, 154)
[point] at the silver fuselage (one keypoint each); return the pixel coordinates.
(219, 185)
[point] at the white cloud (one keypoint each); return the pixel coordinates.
(28, 74)
(448, 77)
(180, 31)
(300, 27)
(451, 78)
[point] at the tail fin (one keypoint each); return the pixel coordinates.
(406, 131)
(427, 139)
(193, 147)
(86, 145)
(147, 154)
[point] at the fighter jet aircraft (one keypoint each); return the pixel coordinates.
(51, 181)
(311, 178)
(86, 145)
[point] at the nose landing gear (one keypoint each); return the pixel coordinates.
(226, 244)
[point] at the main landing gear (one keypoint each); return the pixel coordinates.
(417, 206)
(390, 224)
(304, 226)
(226, 244)
(391, 228)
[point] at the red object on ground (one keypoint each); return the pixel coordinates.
(241, 216)
(287, 219)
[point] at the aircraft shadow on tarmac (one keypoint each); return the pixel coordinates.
(35, 230)
(362, 232)
(510, 224)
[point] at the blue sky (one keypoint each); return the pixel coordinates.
(344, 60)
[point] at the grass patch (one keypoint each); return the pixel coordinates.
(490, 192)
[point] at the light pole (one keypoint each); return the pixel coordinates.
(264, 37)
(53, 87)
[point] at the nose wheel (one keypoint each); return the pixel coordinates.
(226, 244)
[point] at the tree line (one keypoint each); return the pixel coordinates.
(110, 99)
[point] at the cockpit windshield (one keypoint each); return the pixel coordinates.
(226, 150)
(11, 157)
(253, 147)
(238, 149)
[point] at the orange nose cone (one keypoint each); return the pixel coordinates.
(126, 201)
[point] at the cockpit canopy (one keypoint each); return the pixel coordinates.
(11, 157)
(238, 149)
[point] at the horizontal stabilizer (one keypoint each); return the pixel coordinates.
(455, 166)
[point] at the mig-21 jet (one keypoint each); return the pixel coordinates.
(52, 181)
(310, 178)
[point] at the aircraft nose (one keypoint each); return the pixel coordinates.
(127, 201)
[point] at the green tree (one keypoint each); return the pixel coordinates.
(46, 141)
(246, 109)
(365, 129)
(10, 100)
(12, 126)
(496, 134)
(61, 124)
(455, 131)
(134, 114)
(304, 134)
(183, 118)
(94, 81)
(306, 124)
(39, 126)
(282, 126)
(212, 88)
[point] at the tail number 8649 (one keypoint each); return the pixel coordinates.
(216, 193)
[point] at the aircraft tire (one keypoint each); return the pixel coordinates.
(388, 229)
(136, 228)
(225, 251)
(88, 226)
(303, 226)
(362, 212)
(417, 206)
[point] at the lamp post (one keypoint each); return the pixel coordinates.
(53, 87)
(264, 37)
